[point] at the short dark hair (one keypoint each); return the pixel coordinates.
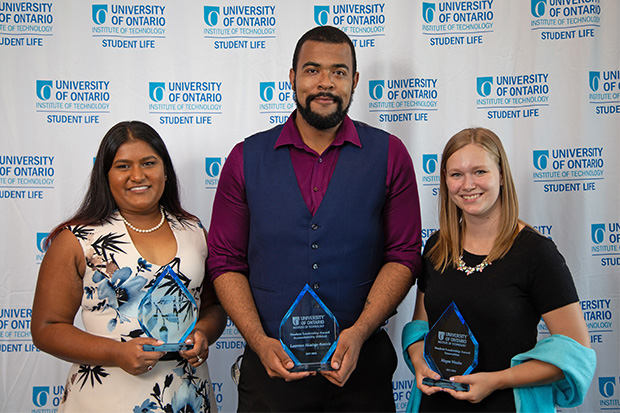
(98, 203)
(325, 34)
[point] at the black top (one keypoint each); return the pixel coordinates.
(502, 305)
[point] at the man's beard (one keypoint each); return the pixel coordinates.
(318, 121)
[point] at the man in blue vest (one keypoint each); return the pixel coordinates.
(321, 201)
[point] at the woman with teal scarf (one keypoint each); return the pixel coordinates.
(503, 276)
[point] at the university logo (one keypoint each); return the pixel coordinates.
(541, 159)
(566, 19)
(484, 86)
(595, 80)
(40, 395)
(44, 89)
(598, 233)
(431, 176)
(606, 386)
(375, 89)
(277, 98)
(156, 91)
(213, 167)
(454, 17)
(211, 15)
(295, 320)
(267, 91)
(41, 237)
(321, 15)
(538, 7)
(428, 12)
(429, 163)
(100, 12)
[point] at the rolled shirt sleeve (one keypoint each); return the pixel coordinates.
(401, 213)
(230, 220)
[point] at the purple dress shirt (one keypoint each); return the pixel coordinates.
(228, 234)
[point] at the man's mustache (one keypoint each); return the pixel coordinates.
(335, 98)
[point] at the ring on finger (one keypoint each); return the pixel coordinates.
(149, 368)
(199, 359)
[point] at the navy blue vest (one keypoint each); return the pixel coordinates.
(338, 251)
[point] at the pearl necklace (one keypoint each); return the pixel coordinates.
(469, 270)
(146, 231)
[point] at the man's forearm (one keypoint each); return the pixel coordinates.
(391, 286)
(233, 291)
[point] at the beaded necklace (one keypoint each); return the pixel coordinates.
(146, 231)
(469, 270)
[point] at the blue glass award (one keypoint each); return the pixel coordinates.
(450, 349)
(309, 332)
(168, 312)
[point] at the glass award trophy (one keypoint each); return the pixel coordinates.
(450, 349)
(168, 312)
(309, 332)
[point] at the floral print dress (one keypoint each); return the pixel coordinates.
(116, 280)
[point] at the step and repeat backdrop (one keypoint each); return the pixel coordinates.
(543, 74)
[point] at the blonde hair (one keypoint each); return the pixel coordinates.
(448, 248)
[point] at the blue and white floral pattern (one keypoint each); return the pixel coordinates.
(116, 280)
(121, 292)
(189, 397)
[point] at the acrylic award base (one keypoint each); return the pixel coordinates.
(168, 347)
(445, 384)
(311, 367)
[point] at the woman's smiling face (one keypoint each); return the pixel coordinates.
(474, 181)
(137, 177)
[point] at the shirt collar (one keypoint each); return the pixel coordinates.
(290, 134)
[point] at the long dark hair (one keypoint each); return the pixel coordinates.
(98, 203)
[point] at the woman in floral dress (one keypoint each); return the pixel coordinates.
(129, 230)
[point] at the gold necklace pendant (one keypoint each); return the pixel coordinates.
(470, 270)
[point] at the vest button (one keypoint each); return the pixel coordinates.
(315, 246)
(315, 266)
(316, 286)
(314, 226)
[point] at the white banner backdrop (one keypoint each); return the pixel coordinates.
(543, 74)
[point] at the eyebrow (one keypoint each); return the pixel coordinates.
(470, 167)
(146, 158)
(335, 65)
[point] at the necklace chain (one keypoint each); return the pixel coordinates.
(146, 231)
(469, 270)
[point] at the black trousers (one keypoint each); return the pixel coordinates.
(369, 388)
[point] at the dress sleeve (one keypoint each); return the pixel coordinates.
(427, 265)
(552, 284)
(228, 233)
(401, 213)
